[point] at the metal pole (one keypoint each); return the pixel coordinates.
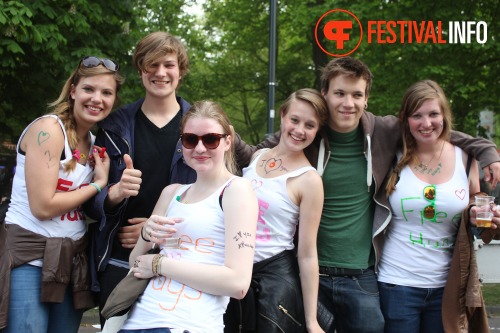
(272, 60)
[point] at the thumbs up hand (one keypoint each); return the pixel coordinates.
(128, 186)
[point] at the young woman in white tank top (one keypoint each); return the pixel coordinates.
(428, 191)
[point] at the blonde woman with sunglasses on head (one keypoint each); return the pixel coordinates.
(44, 281)
(428, 191)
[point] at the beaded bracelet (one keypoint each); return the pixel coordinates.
(142, 236)
(156, 264)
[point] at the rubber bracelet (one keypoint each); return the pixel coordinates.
(97, 187)
(142, 236)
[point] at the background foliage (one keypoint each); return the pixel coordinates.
(41, 41)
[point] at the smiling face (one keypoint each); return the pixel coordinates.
(346, 100)
(299, 125)
(162, 77)
(426, 123)
(93, 97)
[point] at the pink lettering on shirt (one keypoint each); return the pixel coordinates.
(263, 232)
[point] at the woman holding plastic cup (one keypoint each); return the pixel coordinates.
(428, 263)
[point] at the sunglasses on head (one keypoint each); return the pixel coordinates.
(210, 140)
(430, 195)
(91, 61)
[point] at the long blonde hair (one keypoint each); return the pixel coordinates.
(63, 106)
(414, 97)
(212, 110)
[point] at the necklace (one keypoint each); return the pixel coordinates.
(426, 165)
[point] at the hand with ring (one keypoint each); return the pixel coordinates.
(142, 268)
(160, 228)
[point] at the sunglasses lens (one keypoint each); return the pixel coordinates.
(110, 64)
(189, 141)
(211, 141)
(429, 212)
(90, 62)
(429, 193)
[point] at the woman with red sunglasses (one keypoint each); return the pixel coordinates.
(428, 250)
(44, 282)
(205, 232)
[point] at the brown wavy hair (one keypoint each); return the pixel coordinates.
(413, 99)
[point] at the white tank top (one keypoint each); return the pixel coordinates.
(168, 303)
(278, 215)
(418, 249)
(70, 224)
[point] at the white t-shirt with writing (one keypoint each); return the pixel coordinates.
(70, 224)
(171, 304)
(278, 215)
(418, 247)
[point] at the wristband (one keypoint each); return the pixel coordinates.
(97, 187)
(142, 236)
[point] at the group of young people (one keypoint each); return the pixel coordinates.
(367, 217)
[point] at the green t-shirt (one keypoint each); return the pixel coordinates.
(345, 231)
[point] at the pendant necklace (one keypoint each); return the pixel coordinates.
(426, 165)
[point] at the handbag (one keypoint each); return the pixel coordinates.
(124, 295)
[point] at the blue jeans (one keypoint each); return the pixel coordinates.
(354, 302)
(410, 309)
(28, 314)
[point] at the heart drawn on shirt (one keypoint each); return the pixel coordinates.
(272, 164)
(460, 194)
(256, 183)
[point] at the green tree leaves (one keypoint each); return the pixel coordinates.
(41, 41)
